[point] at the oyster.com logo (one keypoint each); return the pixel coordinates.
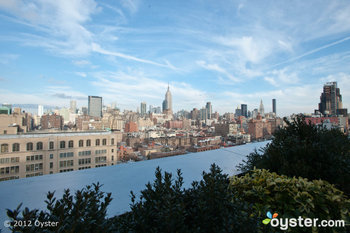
(270, 217)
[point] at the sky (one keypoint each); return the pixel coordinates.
(228, 52)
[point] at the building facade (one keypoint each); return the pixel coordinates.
(30, 155)
(95, 106)
(244, 110)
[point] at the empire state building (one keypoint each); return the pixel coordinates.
(168, 103)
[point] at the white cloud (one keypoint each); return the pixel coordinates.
(81, 74)
(97, 48)
(81, 63)
(217, 68)
(271, 81)
(62, 23)
(131, 88)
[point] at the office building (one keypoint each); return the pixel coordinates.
(274, 106)
(95, 106)
(143, 109)
(73, 106)
(168, 103)
(28, 155)
(40, 110)
(238, 112)
(331, 100)
(261, 109)
(244, 110)
(209, 110)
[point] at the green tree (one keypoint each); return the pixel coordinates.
(306, 150)
(291, 198)
(207, 206)
(83, 212)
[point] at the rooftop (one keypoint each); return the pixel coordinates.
(119, 179)
(48, 134)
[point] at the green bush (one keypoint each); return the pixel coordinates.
(291, 197)
(207, 206)
(306, 150)
(83, 212)
(164, 206)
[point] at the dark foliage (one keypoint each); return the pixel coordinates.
(306, 150)
(207, 206)
(164, 206)
(83, 212)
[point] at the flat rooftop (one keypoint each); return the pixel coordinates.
(48, 134)
(119, 179)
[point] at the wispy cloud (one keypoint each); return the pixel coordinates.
(313, 51)
(217, 68)
(8, 58)
(81, 74)
(134, 87)
(97, 48)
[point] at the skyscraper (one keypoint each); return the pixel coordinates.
(40, 110)
(331, 100)
(73, 106)
(261, 108)
(209, 110)
(168, 103)
(95, 106)
(244, 110)
(274, 106)
(238, 112)
(143, 109)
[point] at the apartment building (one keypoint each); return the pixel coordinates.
(38, 154)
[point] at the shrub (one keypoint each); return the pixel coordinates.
(291, 197)
(83, 212)
(306, 150)
(205, 207)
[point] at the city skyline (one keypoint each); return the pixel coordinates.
(227, 53)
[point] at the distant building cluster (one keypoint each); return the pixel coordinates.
(96, 135)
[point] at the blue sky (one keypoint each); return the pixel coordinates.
(127, 51)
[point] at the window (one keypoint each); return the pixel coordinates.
(34, 167)
(112, 141)
(112, 158)
(97, 142)
(9, 170)
(4, 148)
(15, 147)
(83, 153)
(66, 154)
(5, 131)
(39, 146)
(66, 163)
(88, 142)
(51, 165)
(51, 156)
(97, 152)
(9, 160)
(81, 143)
(101, 159)
(84, 161)
(112, 150)
(70, 144)
(104, 141)
(29, 146)
(34, 157)
(51, 145)
(62, 144)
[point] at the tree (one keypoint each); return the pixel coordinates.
(83, 212)
(306, 150)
